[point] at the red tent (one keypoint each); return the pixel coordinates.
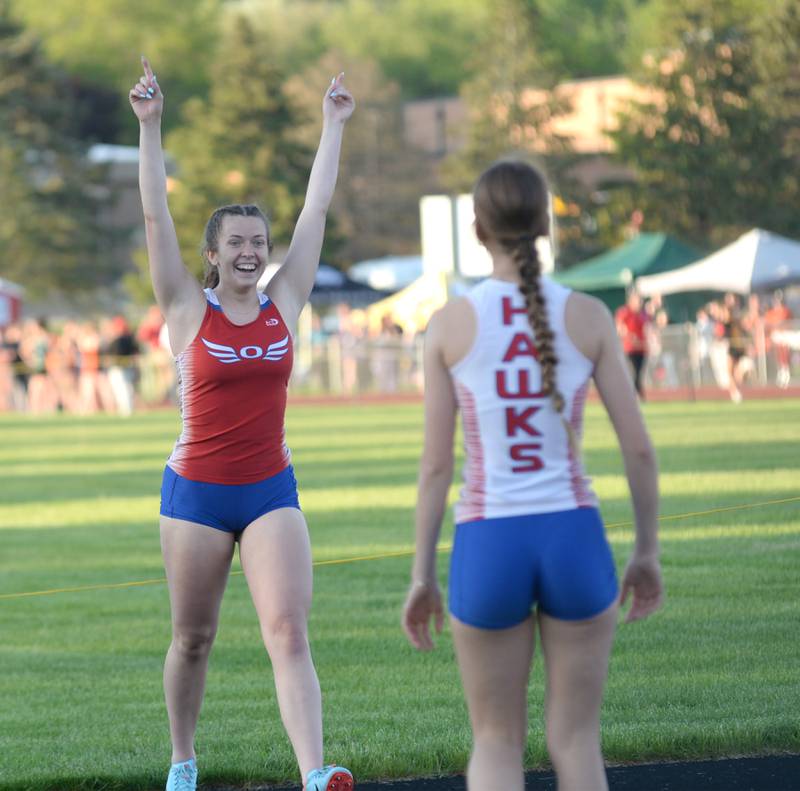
(10, 302)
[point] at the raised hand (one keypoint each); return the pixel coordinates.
(145, 97)
(338, 103)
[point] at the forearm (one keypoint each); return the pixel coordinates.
(432, 492)
(642, 473)
(152, 171)
(322, 181)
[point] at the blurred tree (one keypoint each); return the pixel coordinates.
(50, 231)
(238, 145)
(582, 38)
(509, 100)
(100, 42)
(712, 146)
(777, 64)
(425, 47)
(376, 204)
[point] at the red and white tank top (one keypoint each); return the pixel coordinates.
(232, 383)
(518, 457)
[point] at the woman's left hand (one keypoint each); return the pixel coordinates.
(424, 601)
(338, 104)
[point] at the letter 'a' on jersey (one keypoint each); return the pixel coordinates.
(232, 383)
(518, 457)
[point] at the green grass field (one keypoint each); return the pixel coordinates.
(717, 672)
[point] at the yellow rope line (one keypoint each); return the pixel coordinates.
(384, 555)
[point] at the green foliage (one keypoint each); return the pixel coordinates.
(375, 207)
(50, 231)
(423, 46)
(506, 113)
(581, 38)
(238, 145)
(711, 146)
(102, 40)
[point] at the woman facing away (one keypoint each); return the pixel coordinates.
(229, 478)
(516, 357)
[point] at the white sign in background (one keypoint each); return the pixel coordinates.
(449, 243)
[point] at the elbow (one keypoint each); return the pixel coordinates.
(642, 455)
(436, 468)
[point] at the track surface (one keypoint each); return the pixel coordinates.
(768, 773)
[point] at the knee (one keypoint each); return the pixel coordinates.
(505, 736)
(193, 643)
(566, 743)
(286, 636)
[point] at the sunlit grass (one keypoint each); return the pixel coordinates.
(715, 673)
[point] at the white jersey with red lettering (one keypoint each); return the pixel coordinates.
(518, 455)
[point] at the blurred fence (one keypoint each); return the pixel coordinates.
(679, 358)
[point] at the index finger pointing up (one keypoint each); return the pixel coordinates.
(148, 72)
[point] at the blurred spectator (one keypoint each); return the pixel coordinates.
(631, 321)
(155, 366)
(661, 361)
(15, 369)
(35, 345)
(738, 341)
(774, 319)
(386, 356)
(122, 351)
(95, 393)
(704, 338)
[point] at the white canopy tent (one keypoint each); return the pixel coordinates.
(756, 261)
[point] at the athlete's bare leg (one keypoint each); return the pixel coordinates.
(276, 558)
(495, 666)
(576, 663)
(197, 559)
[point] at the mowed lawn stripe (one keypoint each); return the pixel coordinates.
(715, 673)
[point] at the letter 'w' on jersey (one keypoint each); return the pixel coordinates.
(277, 350)
(225, 354)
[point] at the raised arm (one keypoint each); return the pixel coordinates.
(291, 286)
(177, 292)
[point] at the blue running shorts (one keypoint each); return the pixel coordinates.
(561, 563)
(228, 507)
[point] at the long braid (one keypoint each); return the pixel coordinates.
(511, 208)
(525, 254)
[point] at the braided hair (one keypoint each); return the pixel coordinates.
(511, 205)
(213, 228)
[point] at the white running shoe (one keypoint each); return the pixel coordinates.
(183, 776)
(330, 778)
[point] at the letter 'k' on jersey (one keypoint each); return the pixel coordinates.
(232, 383)
(518, 457)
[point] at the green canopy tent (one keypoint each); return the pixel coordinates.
(607, 276)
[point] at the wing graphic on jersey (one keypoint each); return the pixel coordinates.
(277, 350)
(225, 354)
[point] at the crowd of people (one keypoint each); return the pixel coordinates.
(111, 364)
(729, 337)
(84, 367)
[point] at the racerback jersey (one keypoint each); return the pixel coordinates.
(518, 457)
(232, 383)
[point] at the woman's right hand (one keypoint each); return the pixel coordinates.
(642, 577)
(423, 603)
(145, 97)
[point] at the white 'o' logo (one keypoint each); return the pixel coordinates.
(251, 352)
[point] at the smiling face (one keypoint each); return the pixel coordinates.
(242, 250)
